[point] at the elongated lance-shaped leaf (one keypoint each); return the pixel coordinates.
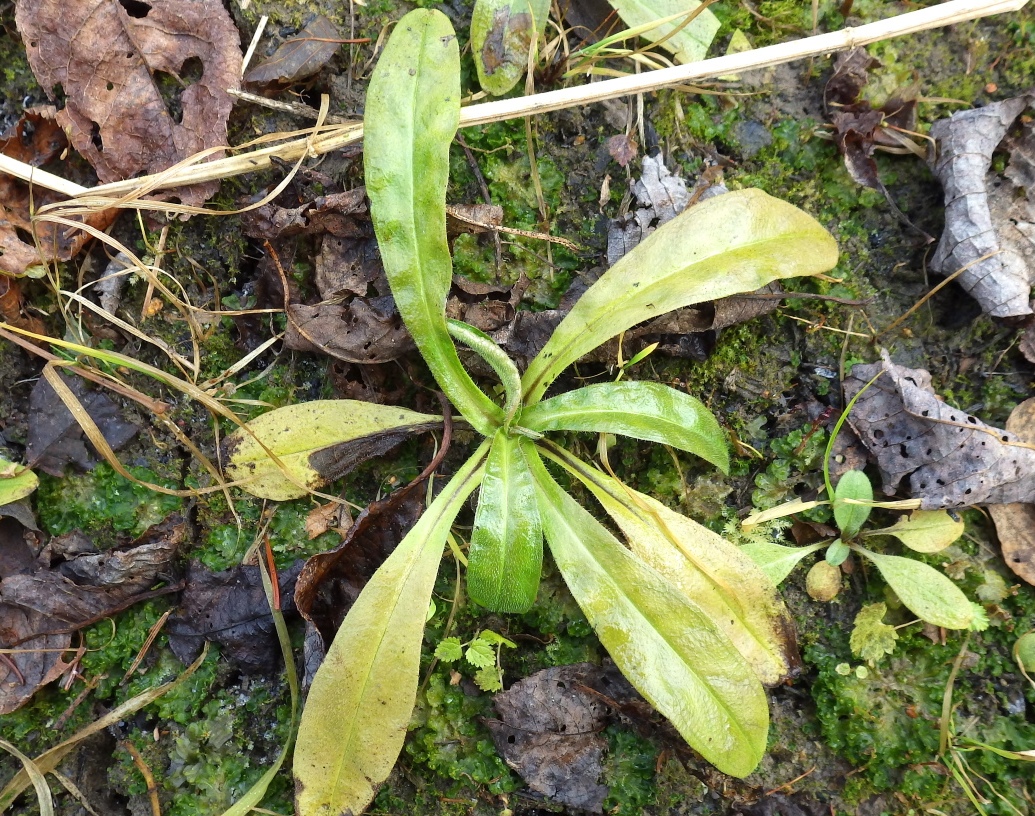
(486, 348)
(501, 39)
(690, 43)
(729, 244)
(412, 112)
(506, 556)
(927, 593)
(362, 697)
(728, 586)
(666, 646)
(642, 410)
(315, 442)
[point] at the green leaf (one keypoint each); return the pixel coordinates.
(837, 552)
(850, 518)
(690, 44)
(642, 410)
(488, 679)
(664, 644)
(729, 244)
(776, 560)
(495, 639)
(412, 112)
(872, 638)
(1024, 651)
(925, 591)
(925, 531)
(501, 38)
(505, 560)
(480, 654)
(362, 697)
(315, 442)
(16, 481)
(449, 650)
(713, 573)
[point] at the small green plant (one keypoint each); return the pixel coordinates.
(929, 594)
(693, 623)
(482, 652)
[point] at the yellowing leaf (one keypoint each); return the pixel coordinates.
(713, 573)
(16, 481)
(502, 32)
(872, 638)
(361, 699)
(776, 560)
(664, 644)
(315, 442)
(925, 531)
(689, 44)
(729, 244)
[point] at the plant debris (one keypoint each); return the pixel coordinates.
(56, 438)
(230, 608)
(1015, 522)
(549, 730)
(299, 57)
(144, 84)
(989, 218)
(71, 585)
(35, 139)
(952, 459)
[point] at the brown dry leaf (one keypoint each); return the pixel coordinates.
(324, 517)
(72, 584)
(144, 83)
(36, 139)
(367, 330)
(952, 459)
(299, 57)
(661, 196)
(550, 730)
(985, 213)
(1015, 522)
(623, 149)
(56, 439)
(230, 608)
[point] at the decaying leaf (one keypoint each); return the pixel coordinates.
(367, 330)
(144, 84)
(502, 33)
(952, 459)
(71, 583)
(36, 139)
(56, 439)
(300, 56)
(549, 730)
(989, 219)
(687, 43)
(230, 608)
(1015, 522)
(623, 149)
(661, 197)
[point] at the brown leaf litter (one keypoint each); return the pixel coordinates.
(1015, 522)
(952, 459)
(45, 597)
(144, 84)
(298, 57)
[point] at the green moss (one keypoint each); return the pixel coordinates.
(101, 503)
(628, 772)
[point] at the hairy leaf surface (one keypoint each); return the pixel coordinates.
(301, 436)
(924, 590)
(724, 246)
(663, 643)
(642, 410)
(361, 699)
(506, 555)
(728, 586)
(412, 112)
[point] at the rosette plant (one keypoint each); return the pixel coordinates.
(693, 623)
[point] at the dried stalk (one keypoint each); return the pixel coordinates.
(332, 138)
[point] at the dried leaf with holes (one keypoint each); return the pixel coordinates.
(988, 215)
(952, 459)
(144, 83)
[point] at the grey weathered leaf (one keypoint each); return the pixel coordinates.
(1015, 522)
(985, 214)
(952, 458)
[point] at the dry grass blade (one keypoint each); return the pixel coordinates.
(32, 770)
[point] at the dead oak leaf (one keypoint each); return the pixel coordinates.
(952, 459)
(145, 83)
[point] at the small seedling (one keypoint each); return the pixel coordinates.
(929, 594)
(690, 620)
(483, 652)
